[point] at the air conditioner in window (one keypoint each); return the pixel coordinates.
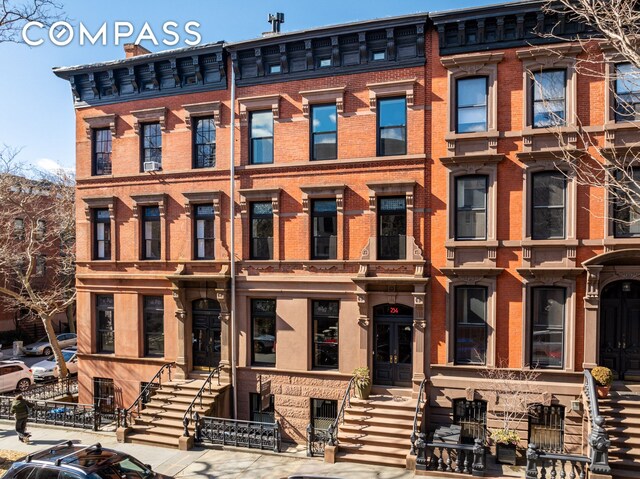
(151, 166)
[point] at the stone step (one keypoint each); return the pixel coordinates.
(158, 430)
(385, 402)
(152, 440)
(388, 432)
(375, 450)
(375, 459)
(372, 439)
(170, 414)
(164, 423)
(362, 410)
(392, 422)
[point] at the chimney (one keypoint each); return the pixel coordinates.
(134, 50)
(275, 21)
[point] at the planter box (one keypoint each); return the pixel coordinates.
(506, 454)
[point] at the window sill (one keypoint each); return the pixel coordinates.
(451, 243)
(126, 359)
(333, 163)
(613, 241)
(623, 125)
(480, 135)
(549, 242)
(548, 130)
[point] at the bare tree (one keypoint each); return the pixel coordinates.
(37, 244)
(596, 158)
(14, 14)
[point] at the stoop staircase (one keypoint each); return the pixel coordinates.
(160, 423)
(622, 413)
(377, 430)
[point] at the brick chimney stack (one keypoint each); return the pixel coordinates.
(134, 50)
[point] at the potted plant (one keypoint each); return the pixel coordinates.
(362, 382)
(604, 379)
(506, 444)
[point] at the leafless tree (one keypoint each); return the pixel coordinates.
(37, 243)
(595, 158)
(14, 14)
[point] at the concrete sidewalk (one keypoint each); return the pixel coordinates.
(203, 463)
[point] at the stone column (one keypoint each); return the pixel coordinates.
(591, 313)
(222, 296)
(181, 317)
(419, 328)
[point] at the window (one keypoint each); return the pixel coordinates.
(323, 413)
(256, 413)
(627, 92)
(324, 217)
(548, 197)
(471, 325)
(324, 62)
(153, 325)
(471, 416)
(104, 396)
(204, 232)
(41, 265)
(626, 215)
(392, 126)
(151, 232)
(152, 143)
(549, 98)
(471, 108)
(18, 228)
(273, 69)
(325, 334)
(261, 230)
(546, 427)
(378, 55)
(547, 332)
(105, 324)
(101, 234)
(261, 127)
(41, 229)
(263, 331)
(471, 207)
(392, 228)
(324, 135)
(101, 153)
(204, 143)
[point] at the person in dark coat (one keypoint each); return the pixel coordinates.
(20, 408)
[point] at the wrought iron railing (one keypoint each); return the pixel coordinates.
(55, 389)
(126, 416)
(455, 458)
(317, 437)
(599, 442)
(55, 413)
(542, 465)
(417, 428)
(189, 413)
(231, 432)
(332, 430)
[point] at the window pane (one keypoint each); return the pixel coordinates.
(323, 413)
(325, 146)
(261, 151)
(102, 152)
(472, 119)
(393, 112)
(153, 314)
(547, 340)
(261, 124)
(471, 326)
(549, 98)
(105, 323)
(264, 331)
(548, 205)
(205, 143)
(626, 212)
(627, 92)
(392, 121)
(471, 207)
(325, 334)
(472, 105)
(261, 231)
(392, 141)
(392, 228)
(323, 118)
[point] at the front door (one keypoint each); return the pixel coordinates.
(393, 345)
(206, 333)
(620, 329)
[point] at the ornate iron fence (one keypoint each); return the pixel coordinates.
(542, 465)
(51, 390)
(55, 413)
(230, 432)
(458, 458)
(316, 439)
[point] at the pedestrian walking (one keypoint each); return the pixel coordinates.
(20, 408)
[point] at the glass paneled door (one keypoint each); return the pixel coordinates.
(393, 345)
(206, 333)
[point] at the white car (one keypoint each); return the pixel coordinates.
(48, 368)
(14, 375)
(43, 347)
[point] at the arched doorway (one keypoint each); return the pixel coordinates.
(620, 329)
(205, 315)
(393, 345)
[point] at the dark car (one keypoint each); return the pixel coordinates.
(75, 461)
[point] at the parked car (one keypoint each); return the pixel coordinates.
(75, 461)
(43, 346)
(14, 375)
(48, 368)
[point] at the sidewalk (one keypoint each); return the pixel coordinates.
(202, 463)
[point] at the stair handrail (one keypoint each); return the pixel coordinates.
(186, 419)
(417, 430)
(332, 430)
(156, 379)
(599, 442)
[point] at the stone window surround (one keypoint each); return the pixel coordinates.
(100, 122)
(403, 88)
(556, 278)
(258, 103)
(149, 115)
(473, 165)
(391, 188)
(193, 199)
(539, 59)
(537, 163)
(198, 110)
(324, 96)
(91, 204)
(470, 66)
(313, 192)
(251, 195)
(139, 202)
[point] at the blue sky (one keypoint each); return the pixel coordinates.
(37, 111)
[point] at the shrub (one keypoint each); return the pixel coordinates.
(361, 376)
(504, 436)
(602, 375)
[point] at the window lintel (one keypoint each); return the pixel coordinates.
(150, 115)
(95, 202)
(256, 103)
(325, 95)
(473, 274)
(251, 195)
(101, 121)
(391, 88)
(200, 197)
(195, 110)
(471, 63)
(470, 160)
(148, 200)
(322, 191)
(549, 57)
